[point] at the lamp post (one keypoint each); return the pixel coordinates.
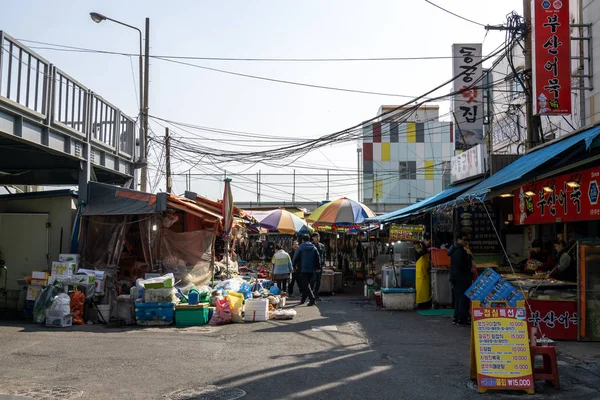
(96, 17)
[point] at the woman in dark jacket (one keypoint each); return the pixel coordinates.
(461, 266)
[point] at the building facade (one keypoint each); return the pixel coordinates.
(405, 160)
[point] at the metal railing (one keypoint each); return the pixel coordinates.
(44, 93)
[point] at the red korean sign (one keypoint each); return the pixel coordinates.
(554, 319)
(570, 197)
(551, 57)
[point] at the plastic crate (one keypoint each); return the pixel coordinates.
(154, 313)
(440, 258)
(186, 315)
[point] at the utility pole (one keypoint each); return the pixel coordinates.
(168, 160)
(358, 151)
(294, 190)
(327, 196)
(144, 116)
(533, 121)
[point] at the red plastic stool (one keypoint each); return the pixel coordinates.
(549, 371)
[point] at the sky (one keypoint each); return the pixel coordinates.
(260, 29)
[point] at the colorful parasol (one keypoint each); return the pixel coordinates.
(341, 212)
(283, 221)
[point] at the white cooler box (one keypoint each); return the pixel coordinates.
(398, 298)
(256, 310)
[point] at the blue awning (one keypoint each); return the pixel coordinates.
(528, 163)
(445, 195)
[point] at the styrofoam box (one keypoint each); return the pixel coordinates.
(398, 299)
(256, 310)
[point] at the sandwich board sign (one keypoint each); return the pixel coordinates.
(500, 357)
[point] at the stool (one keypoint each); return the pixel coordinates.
(549, 371)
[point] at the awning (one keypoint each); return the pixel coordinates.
(530, 162)
(106, 199)
(445, 195)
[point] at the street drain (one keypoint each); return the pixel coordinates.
(207, 393)
(50, 393)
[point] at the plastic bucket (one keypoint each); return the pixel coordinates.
(104, 312)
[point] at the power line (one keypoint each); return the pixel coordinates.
(456, 15)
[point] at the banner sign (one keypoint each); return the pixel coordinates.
(468, 105)
(406, 232)
(475, 222)
(551, 43)
(502, 349)
(469, 163)
(569, 197)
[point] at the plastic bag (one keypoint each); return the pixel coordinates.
(44, 301)
(77, 301)
(246, 290)
(283, 314)
(222, 314)
(61, 303)
(231, 285)
(236, 302)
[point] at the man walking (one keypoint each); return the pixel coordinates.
(316, 280)
(307, 258)
(294, 268)
(461, 264)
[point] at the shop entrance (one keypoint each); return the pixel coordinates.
(24, 245)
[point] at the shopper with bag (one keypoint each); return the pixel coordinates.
(282, 268)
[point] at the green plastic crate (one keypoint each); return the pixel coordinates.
(186, 315)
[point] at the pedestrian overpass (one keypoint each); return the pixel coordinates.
(56, 131)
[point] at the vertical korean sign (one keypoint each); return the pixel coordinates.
(468, 104)
(551, 57)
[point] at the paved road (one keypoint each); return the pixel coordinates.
(341, 349)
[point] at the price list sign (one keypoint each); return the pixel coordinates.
(502, 349)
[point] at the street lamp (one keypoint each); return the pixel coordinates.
(97, 18)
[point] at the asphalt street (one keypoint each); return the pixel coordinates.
(344, 348)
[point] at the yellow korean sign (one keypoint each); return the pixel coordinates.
(501, 344)
(406, 232)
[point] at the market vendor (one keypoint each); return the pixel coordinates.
(565, 269)
(539, 258)
(423, 267)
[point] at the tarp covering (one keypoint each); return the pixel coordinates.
(106, 199)
(530, 162)
(445, 195)
(187, 255)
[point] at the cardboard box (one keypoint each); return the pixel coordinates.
(56, 318)
(83, 279)
(74, 258)
(39, 278)
(33, 291)
(65, 269)
(100, 278)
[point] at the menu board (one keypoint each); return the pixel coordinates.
(490, 287)
(502, 349)
(475, 222)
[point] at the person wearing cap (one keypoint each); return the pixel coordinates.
(423, 267)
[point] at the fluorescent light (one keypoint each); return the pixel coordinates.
(548, 189)
(154, 227)
(529, 193)
(506, 195)
(573, 184)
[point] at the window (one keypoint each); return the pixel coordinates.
(407, 169)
